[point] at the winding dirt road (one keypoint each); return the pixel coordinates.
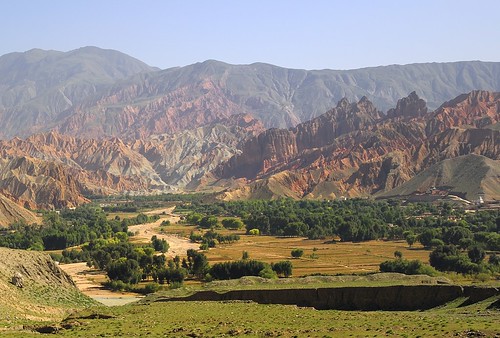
(89, 280)
(178, 245)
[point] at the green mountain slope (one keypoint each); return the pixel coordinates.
(47, 293)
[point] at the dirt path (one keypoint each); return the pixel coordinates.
(89, 280)
(178, 245)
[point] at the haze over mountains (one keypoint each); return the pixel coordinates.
(93, 121)
(92, 92)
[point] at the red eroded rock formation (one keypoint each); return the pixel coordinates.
(353, 150)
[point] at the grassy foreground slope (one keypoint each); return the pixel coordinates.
(246, 319)
(48, 294)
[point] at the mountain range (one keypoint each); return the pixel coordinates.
(97, 122)
(91, 92)
(355, 150)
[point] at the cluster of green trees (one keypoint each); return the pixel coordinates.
(297, 253)
(196, 264)
(126, 264)
(469, 261)
(461, 234)
(62, 230)
(129, 203)
(159, 244)
(249, 267)
(139, 219)
(125, 207)
(408, 267)
(68, 228)
(211, 238)
(459, 239)
(449, 257)
(355, 220)
(460, 246)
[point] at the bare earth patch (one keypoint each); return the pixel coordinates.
(89, 282)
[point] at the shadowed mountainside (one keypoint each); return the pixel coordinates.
(11, 212)
(169, 101)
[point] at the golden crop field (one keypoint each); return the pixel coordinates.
(320, 256)
(324, 256)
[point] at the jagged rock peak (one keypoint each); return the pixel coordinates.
(478, 109)
(364, 99)
(474, 98)
(244, 121)
(346, 109)
(343, 103)
(409, 107)
(366, 105)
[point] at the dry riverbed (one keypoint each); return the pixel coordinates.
(89, 280)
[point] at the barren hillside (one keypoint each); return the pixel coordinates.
(47, 292)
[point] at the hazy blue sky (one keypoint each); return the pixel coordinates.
(297, 34)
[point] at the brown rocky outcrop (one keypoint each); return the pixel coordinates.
(477, 109)
(351, 150)
(11, 212)
(261, 154)
(35, 183)
(409, 107)
(184, 158)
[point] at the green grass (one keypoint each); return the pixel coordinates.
(216, 319)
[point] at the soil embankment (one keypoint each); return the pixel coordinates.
(398, 297)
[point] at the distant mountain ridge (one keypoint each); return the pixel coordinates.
(37, 86)
(92, 92)
(351, 150)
